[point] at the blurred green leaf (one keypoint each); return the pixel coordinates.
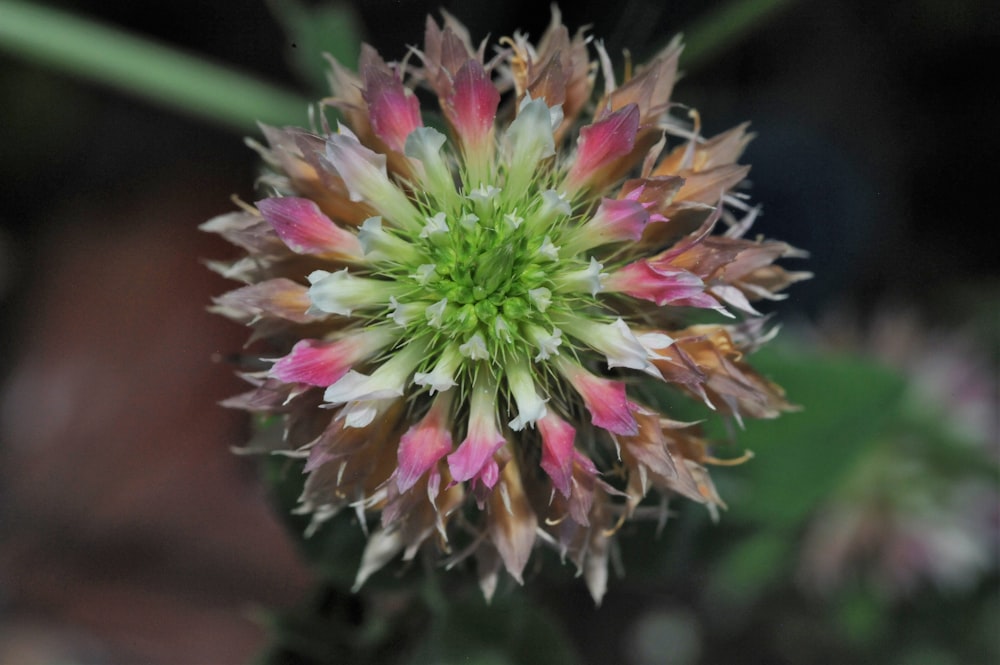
(332, 28)
(752, 565)
(725, 27)
(137, 66)
(801, 457)
(862, 616)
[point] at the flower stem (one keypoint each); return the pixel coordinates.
(135, 65)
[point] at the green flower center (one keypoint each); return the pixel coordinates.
(483, 275)
(491, 275)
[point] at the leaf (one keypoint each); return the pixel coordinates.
(801, 457)
(726, 26)
(136, 66)
(750, 567)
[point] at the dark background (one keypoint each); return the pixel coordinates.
(129, 531)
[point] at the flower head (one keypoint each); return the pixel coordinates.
(462, 318)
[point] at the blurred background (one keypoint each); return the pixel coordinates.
(866, 529)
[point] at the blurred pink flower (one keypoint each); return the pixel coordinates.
(902, 520)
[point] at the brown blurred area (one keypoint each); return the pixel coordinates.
(130, 531)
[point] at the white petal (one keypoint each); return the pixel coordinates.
(355, 387)
(513, 220)
(435, 313)
(484, 193)
(424, 145)
(542, 298)
(435, 225)
(362, 414)
(615, 340)
(365, 176)
(424, 273)
(377, 244)
(389, 380)
(381, 548)
(530, 406)
(475, 348)
(502, 329)
(589, 279)
(622, 349)
(442, 377)
(529, 136)
(403, 313)
(548, 344)
(369, 233)
(655, 340)
(554, 203)
(548, 250)
(341, 292)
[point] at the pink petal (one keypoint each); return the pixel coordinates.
(557, 450)
(275, 298)
(489, 474)
(316, 362)
(620, 219)
(602, 142)
(472, 105)
(424, 444)
(393, 110)
(605, 399)
(616, 220)
(674, 287)
(305, 229)
(609, 408)
(481, 485)
(474, 457)
(585, 477)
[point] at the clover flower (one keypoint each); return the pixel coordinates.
(457, 322)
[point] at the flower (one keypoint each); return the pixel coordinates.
(463, 318)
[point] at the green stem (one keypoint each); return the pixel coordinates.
(136, 66)
(725, 27)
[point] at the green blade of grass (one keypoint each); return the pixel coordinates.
(136, 66)
(725, 27)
